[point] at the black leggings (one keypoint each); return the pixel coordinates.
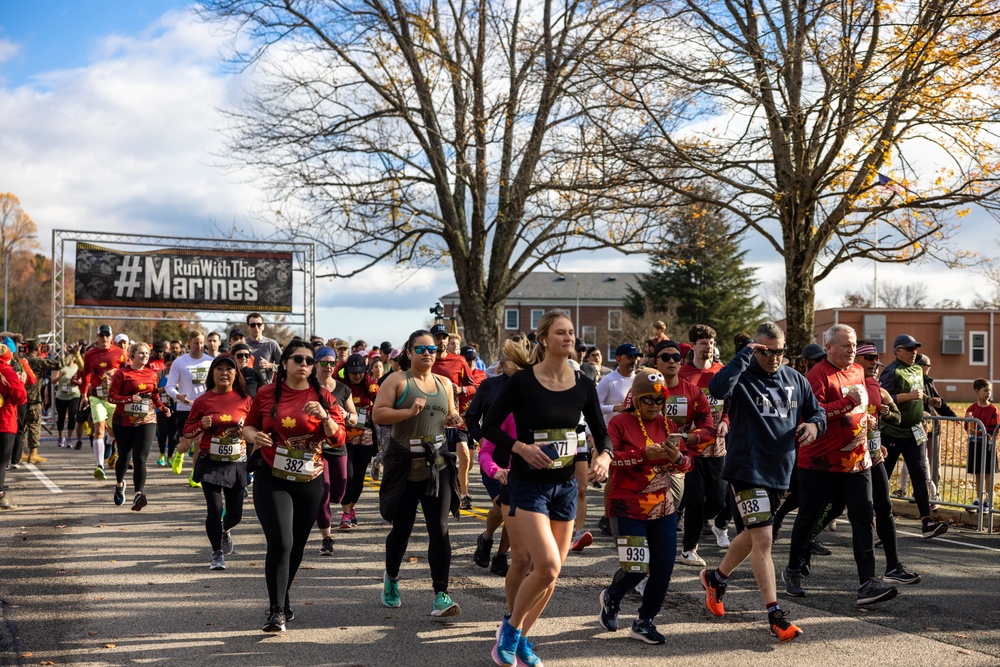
(135, 440)
(214, 521)
(165, 433)
(64, 408)
(435, 516)
(705, 494)
(286, 511)
(6, 447)
(176, 427)
(358, 458)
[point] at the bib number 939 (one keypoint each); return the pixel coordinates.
(633, 553)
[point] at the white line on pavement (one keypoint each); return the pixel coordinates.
(944, 539)
(49, 484)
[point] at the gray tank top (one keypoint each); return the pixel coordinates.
(430, 421)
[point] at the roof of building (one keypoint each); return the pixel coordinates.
(561, 287)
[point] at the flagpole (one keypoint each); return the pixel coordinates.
(875, 268)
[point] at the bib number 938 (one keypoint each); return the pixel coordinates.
(754, 506)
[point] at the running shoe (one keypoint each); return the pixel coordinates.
(781, 628)
(645, 631)
(99, 473)
(139, 501)
(691, 558)
(526, 654)
(604, 525)
(899, 575)
(162, 461)
(227, 542)
(793, 583)
(390, 591)
(444, 606)
(112, 460)
(934, 528)
(500, 564)
(819, 549)
(354, 518)
(345, 521)
(466, 503)
(193, 484)
(505, 650)
(177, 463)
(327, 548)
(608, 618)
(79, 444)
(17, 465)
(713, 593)
(275, 620)
(289, 614)
(581, 540)
(120, 494)
(721, 536)
(218, 561)
(6, 503)
(506, 617)
(873, 591)
(484, 547)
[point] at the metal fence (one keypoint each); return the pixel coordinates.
(961, 467)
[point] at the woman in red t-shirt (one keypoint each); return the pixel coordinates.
(134, 393)
(360, 444)
(288, 424)
(216, 420)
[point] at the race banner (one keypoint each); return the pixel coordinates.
(184, 278)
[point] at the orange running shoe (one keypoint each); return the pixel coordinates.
(781, 628)
(713, 593)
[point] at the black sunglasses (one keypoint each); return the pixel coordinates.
(104, 335)
(302, 359)
(652, 400)
(242, 355)
(670, 356)
(870, 357)
(255, 325)
(768, 352)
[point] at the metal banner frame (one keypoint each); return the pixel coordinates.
(303, 260)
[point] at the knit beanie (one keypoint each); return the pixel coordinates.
(648, 382)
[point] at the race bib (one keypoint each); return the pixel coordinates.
(714, 404)
(295, 465)
(633, 553)
(559, 444)
(417, 444)
(137, 409)
(754, 506)
(874, 442)
(101, 391)
(227, 449)
(676, 408)
(919, 434)
(199, 374)
(362, 417)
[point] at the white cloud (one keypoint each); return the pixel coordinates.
(8, 50)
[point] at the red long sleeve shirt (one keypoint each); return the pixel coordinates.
(12, 394)
(96, 364)
(125, 384)
(700, 378)
(228, 411)
(843, 447)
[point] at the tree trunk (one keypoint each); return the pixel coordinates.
(482, 326)
(800, 300)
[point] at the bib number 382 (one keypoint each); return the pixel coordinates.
(295, 465)
(633, 553)
(754, 506)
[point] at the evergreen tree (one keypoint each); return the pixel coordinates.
(701, 272)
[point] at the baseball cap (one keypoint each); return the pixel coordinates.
(342, 344)
(243, 347)
(905, 340)
(120, 337)
(355, 364)
(469, 353)
(393, 353)
(813, 352)
(628, 349)
(104, 329)
(237, 332)
(439, 330)
(385, 347)
(580, 345)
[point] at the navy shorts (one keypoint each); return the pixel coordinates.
(493, 487)
(555, 500)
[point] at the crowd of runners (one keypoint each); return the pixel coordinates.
(684, 447)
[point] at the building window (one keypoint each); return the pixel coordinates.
(589, 335)
(511, 319)
(614, 320)
(977, 348)
(536, 316)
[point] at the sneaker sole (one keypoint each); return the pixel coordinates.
(692, 563)
(274, 628)
(450, 612)
(216, 567)
(903, 582)
(887, 595)
(940, 529)
(584, 542)
(100, 474)
(390, 606)
(643, 638)
(498, 660)
(703, 578)
(785, 640)
(139, 503)
(600, 616)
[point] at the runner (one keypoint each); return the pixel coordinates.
(186, 382)
(99, 364)
(611, 391)
(266, 351)
(217, 419)
(641, 502)
(166, 435)
(417, 468)
(771, 408)
(288, 424)
(12, 394)
(213, 342)
(67, 395)
(133, 391)
(251, 376)
(546, 400)
(360, 445)
(40, 368)
(334, 458)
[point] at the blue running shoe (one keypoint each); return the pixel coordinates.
(526, 655)
(505, 650)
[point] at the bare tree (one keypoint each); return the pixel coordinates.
(425, 133)
(890, 295)
(834, 130)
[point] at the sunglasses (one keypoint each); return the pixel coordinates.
(768, 352)
(104, 335)
(652, 400)
(421, 349)
(870, 357)
(327, 364)
(670, 356)
(242, 355)
(911, 349)
(255, 325)
(302, 359)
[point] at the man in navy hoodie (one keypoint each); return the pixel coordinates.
(772, 408)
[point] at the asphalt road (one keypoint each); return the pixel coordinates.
(84, 582)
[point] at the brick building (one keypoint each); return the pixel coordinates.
(594, 301)
(960, 343)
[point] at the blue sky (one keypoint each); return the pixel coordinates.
(110, 110)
